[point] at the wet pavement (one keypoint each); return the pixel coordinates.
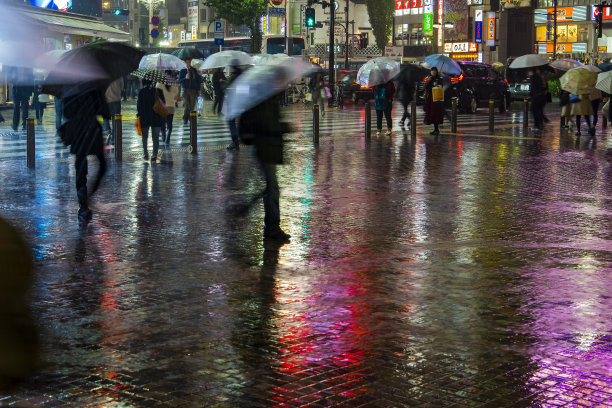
(464, 270)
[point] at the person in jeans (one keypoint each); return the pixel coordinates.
(235, 72)
(171, 94)
(383, 102)
(149, 118)
(113, 99)
(191, 82)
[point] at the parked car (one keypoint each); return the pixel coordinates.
(348, 88)
(474, 87)
(518, 80)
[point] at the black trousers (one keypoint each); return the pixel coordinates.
(218, 104)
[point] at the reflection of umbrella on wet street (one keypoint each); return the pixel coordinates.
(578, 81)
(227, 58)
(154, 75)
(444, 64)
(528, 61)
(261, 82)
(188, 53)
(378, 71)
(565, 64)
(102, 60)
(604, 82)
(162, 62)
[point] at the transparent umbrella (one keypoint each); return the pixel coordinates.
(378, 71)
(528, 61)
(227, 58)
(444, 64)
(261, 82)
(604, 82)
(162, 62)
(259, 59)
(565, 64)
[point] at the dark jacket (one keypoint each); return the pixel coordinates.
(233, 76)
(263, 122)
(81, 129)
(194, 82)
(406, 91)
(146, 100)
(564, 97)
(217, 80)
(434, 111)
(537, 89)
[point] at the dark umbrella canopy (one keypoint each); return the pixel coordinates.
(102, 60)
(606, 66)
(188, 53)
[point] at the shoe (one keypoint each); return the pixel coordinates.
(578, 133)
(434, 133)
(388, 132)
(14, 128)
(39, 122)
(153, 158)
(278, 236)
(84, 214)
(146, 156)
(233, 147)
(378, 132)
(592, 131)
(401, 123)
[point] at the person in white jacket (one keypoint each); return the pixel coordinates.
(171, 96)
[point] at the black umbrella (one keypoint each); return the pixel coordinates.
(99, 61)
(188, 53)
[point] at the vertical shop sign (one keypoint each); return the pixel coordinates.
(491, 29)
(441, 22)
(193, 18)
(478, 26)
(428, 16)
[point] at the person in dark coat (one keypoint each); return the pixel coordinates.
(434, 111)
(406, 93)
(235, 72)
(537, 92)
(218, 81)
(23, 88)
(148, 117)
(191, 82)
(81, 131)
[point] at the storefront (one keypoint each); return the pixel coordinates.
(463, 51)
(409, 25)
(574, 31)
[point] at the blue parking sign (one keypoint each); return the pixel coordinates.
(219, 41)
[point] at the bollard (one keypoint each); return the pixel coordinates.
(193, 132)
(526, 116)
(118, 136)
(454, 114)
(413, 113)
(30, 143)
(315, 124)
(491, 116)
(368, 121)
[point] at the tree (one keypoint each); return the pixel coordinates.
(380, 13)
(243, 12)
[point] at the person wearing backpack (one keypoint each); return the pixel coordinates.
(383, 102)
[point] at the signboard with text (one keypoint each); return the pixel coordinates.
(408, 4)
(491, 29)
(460, 47)
(478, 26)
(193, 17)
(428, 16)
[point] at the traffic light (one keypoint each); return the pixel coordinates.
(363, 41)
(599, 21)
(310, 17)
(121, 12)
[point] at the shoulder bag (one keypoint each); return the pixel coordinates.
(160, 107)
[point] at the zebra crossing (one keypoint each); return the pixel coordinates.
(213, 130)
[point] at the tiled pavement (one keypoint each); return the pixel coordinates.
(457, 271)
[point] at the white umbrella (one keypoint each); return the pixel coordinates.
(378, 71)
(162, 62)
(592, 68)
(260, 59)
(578, 81)
(565, 64)
(604, 82)
(227, 58)
(528, 61)
(261, 82)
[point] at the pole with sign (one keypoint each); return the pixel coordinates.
(219, 34)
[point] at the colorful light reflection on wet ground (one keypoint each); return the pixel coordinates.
(451, 271)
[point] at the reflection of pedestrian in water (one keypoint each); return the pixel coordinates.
(81, 131)
(18, 338)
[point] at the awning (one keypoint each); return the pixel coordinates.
(80, 26)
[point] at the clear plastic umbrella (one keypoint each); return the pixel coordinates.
(260, 82)
(268, 58)
(578, 81)
(378, 71)
(227, 58)
(592, 68)
(162, 62)
(565, 64)
(604, 82)
(444, 64)
(528, 61)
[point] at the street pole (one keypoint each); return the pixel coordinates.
(332, 63)
(346, 46)
(555, 30)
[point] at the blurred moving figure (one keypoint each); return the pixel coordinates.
(219, 85)
(18, 337)
(113, 99)
(235, 72)
(23, 88)
(316, 87)
(171, 95)
(82, 103)
(191, 82)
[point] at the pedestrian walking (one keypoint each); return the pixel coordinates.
(113, 99)
(82, 132)
(581, 106)
(406, 93)
(39, 102)
(235, 72)
(434, 106)
(191, 81)
(23, 88)
(595, 97)
(171, 95)
(149, 119)
(316, 86)
(383, 103)
(537, 92)
(566, 110)
(219, 81)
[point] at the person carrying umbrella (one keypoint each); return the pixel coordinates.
(537, 92)
(171, 94)
(218, 80)
(316, 86)
(191, 82)
(383, 102)
(235, 72)
(148, 117)
(434, 110)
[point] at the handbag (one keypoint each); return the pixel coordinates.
(159, 106)
(437, 94)
(574, 98)
(138, 127)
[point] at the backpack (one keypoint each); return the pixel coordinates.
(380, 99)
